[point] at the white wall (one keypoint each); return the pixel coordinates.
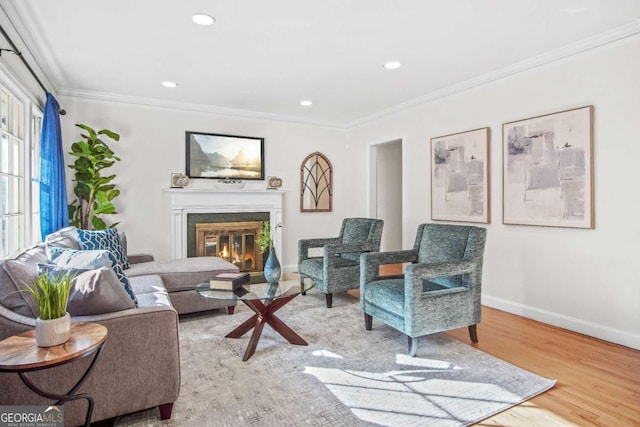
(584, 280)
(388, 188)
(152, 146)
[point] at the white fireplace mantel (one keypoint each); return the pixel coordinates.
(183, 201)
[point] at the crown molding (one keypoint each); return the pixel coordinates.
(34, 43)
(30, 47)
(625, 31)
(198, 108)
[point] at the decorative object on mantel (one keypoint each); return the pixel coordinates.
(548, 170)
(272, 270)
(274, 183)
(51, 292)
(229, 184)
(316, 183)
(179, 180)
(216, 156)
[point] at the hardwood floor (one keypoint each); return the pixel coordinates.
(598, 383)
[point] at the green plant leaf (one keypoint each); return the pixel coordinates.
(98, 224)
(113, 194)
(264, 239)
(82, 191)
(104, 208)
(104, 179)
(100, 197)
(51, 292)
(88, 129)
(110, 134)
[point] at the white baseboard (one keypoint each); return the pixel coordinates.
(606, 333)
(290, 268)
(571, 323)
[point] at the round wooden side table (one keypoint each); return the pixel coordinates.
(20, 354)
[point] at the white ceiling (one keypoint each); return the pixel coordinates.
(262, 57)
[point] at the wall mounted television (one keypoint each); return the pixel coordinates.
(216, 156)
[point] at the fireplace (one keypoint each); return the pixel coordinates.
(188, 207)
(232, 241)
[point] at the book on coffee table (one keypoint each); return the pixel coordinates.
(229, 281)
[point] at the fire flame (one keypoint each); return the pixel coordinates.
(237, 257)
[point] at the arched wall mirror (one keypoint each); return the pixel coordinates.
(316, 183)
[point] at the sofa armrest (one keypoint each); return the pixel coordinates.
(139, 367)
(12, 323)
(138, 258)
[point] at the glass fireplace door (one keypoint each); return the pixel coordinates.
(233, 242)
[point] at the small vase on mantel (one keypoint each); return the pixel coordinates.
(272, 270)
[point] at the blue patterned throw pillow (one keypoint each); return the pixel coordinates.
(91, 240)
(89, 260)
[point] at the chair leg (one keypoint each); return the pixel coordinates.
(413, 346)
(473, 333)
(368, 321)
(231, 309)
(302, 291)
(329, 298)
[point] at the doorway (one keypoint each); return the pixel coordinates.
(386, 191)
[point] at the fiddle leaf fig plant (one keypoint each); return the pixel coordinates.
(94, 192)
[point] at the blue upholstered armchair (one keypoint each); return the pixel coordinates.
(338, 269)
(440, 289)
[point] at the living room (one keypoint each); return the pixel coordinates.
(573, 278)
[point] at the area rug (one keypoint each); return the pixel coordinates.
(347, 376)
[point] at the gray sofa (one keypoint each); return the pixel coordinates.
(139, 367)
(179, 276)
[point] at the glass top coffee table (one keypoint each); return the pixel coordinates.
(264, 299)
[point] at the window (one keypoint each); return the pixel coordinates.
(19, 169)
(36, 131)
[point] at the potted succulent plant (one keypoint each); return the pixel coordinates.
(272, 270)
(51, 292)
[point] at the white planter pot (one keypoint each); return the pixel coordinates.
(54, 331)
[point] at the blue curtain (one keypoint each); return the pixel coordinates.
(54, 213)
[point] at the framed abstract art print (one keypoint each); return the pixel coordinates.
(460, 177)
(548, 170)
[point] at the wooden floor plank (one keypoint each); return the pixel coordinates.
(598, 382)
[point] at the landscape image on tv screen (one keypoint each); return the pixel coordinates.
(224, 156)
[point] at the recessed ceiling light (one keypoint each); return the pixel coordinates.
(393, 65)
(203, 19)
(169, 84)
(306, 103)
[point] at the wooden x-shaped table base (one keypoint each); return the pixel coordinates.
(264, 314)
